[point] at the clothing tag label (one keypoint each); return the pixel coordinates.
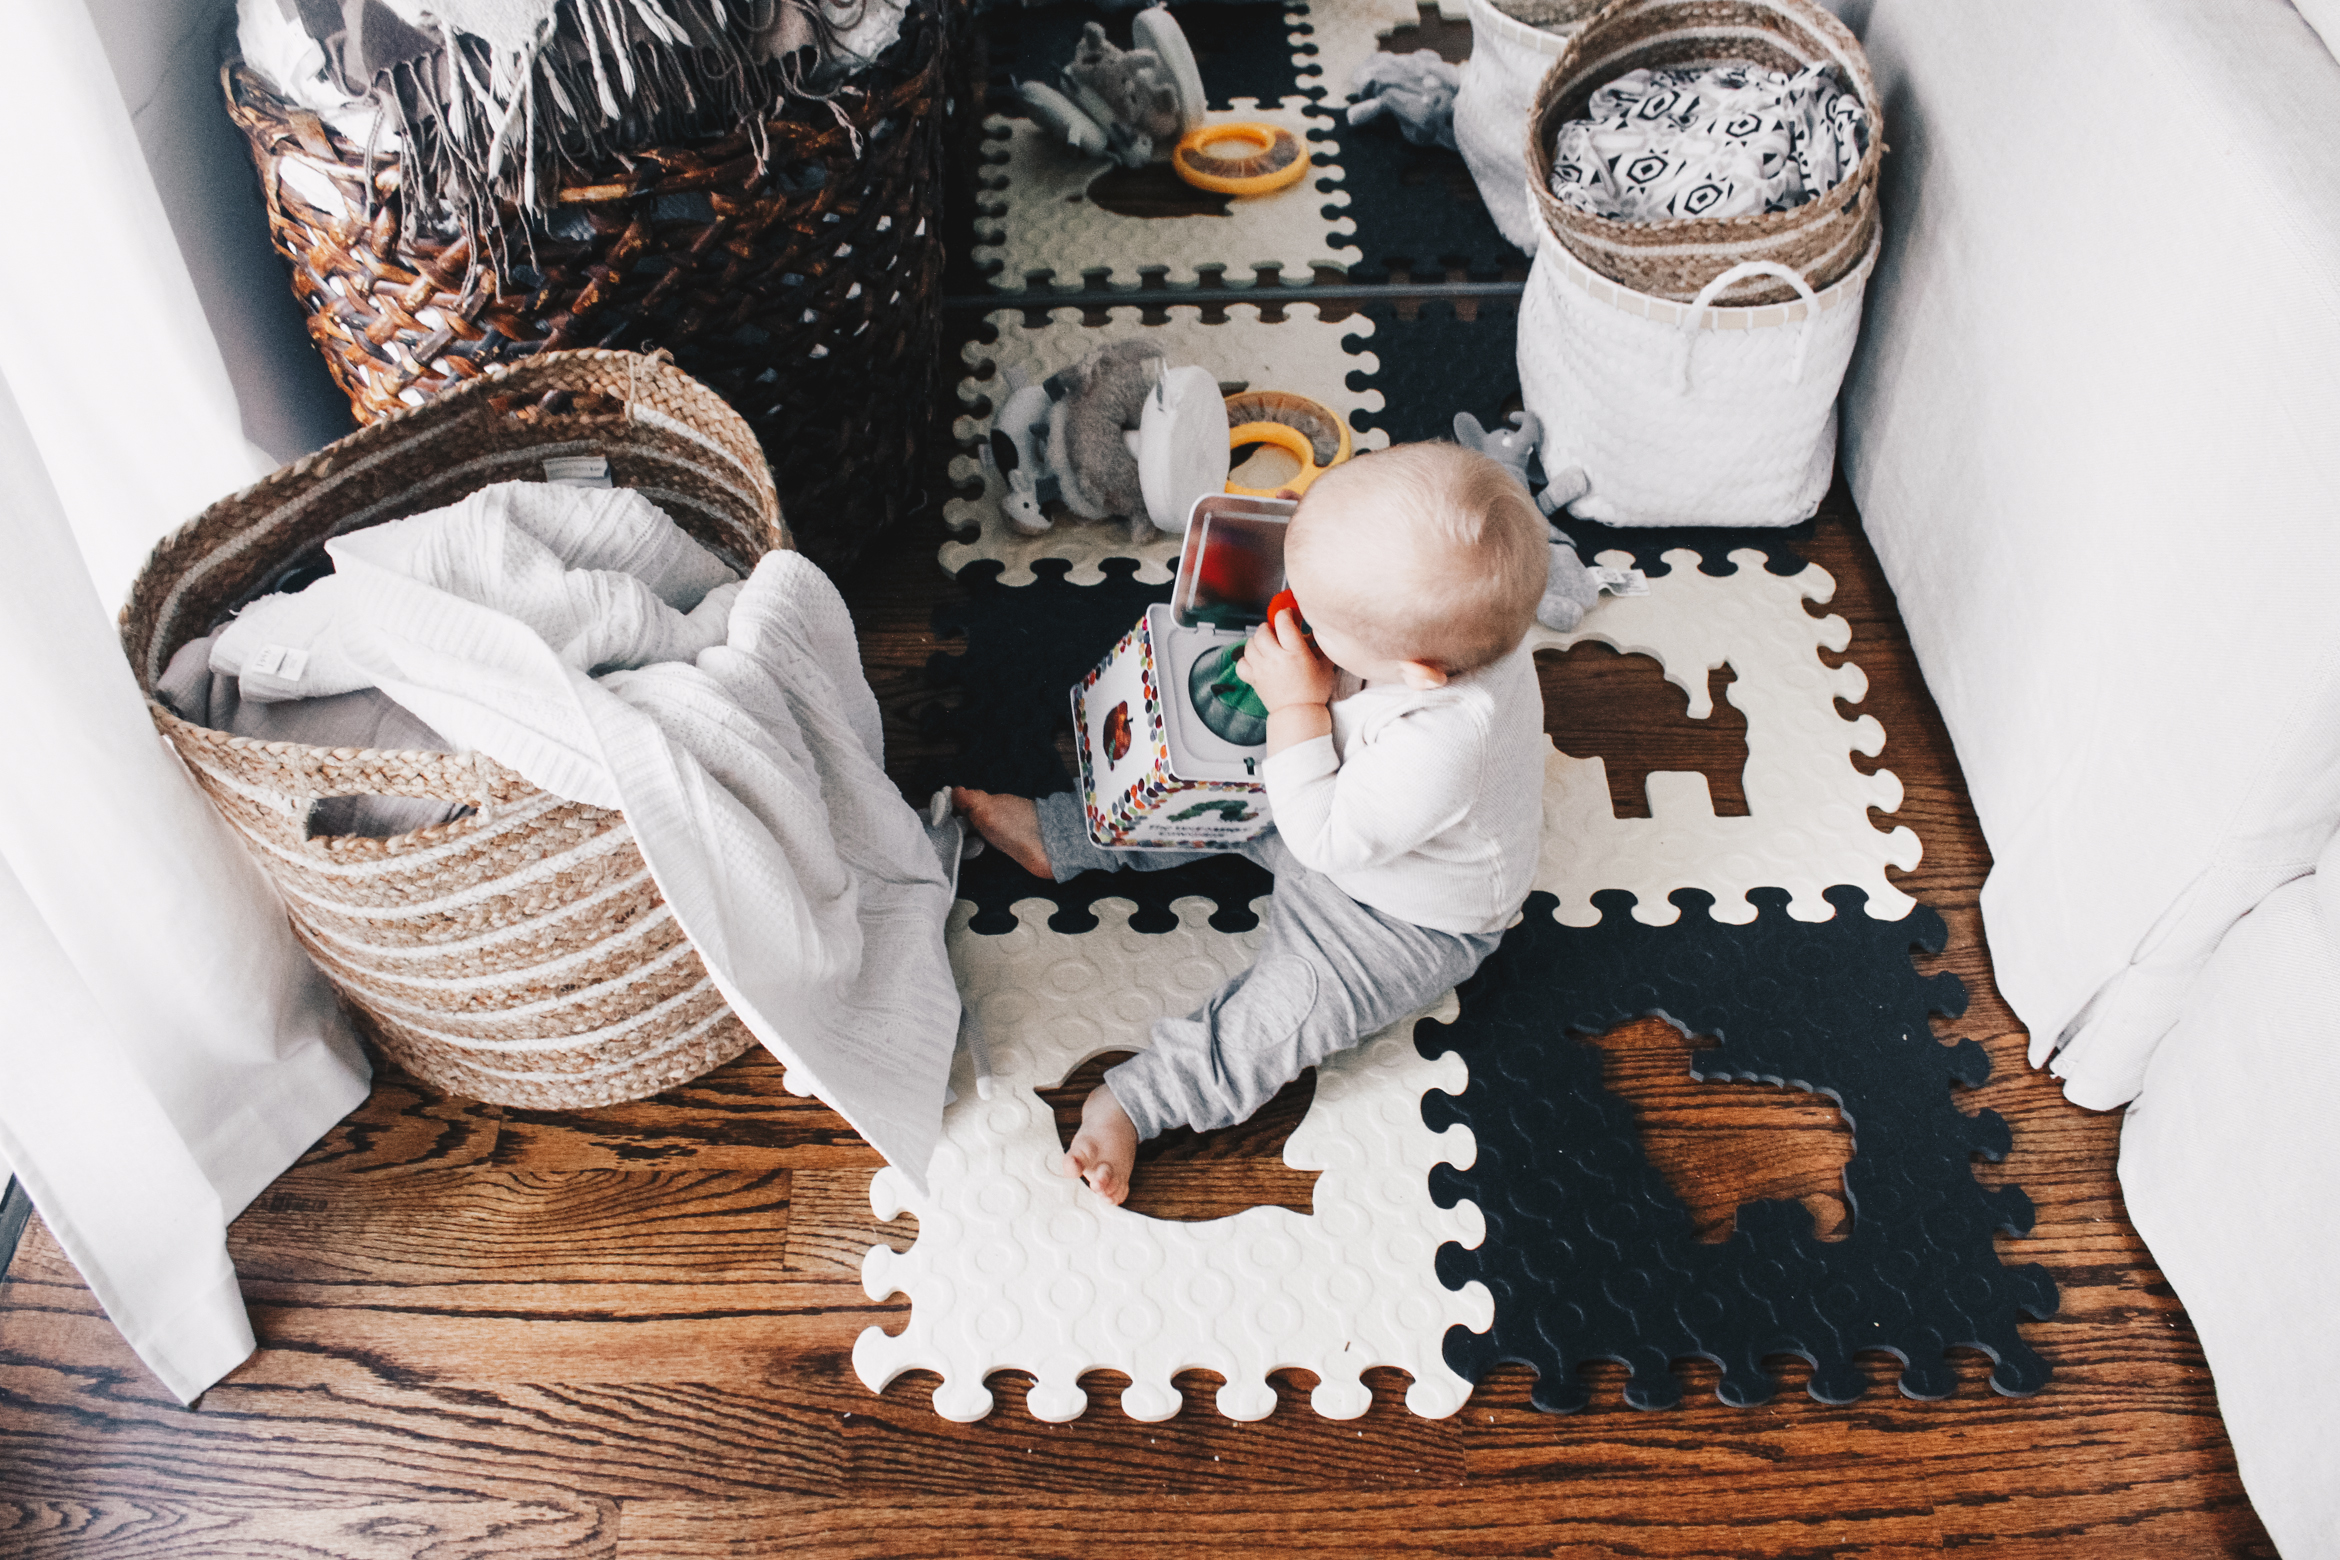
(1620, 582)
(280, 661)
(591, 471)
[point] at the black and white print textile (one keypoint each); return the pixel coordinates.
(1724, 141)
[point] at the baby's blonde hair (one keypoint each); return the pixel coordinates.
(1434, 553)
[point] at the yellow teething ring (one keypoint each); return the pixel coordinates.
(1241, 158)
(1288, 439)
(1285, 435)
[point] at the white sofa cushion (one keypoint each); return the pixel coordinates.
(2324, 17)
(2231, 1169)
(2094, 431)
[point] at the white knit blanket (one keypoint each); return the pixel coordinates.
(751, 771)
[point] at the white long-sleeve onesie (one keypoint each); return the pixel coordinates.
(1404, 843)
(1425, 804)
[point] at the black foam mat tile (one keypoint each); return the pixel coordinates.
(1026, 645)
(1588, 1252)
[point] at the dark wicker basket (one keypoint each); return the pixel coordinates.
(805, 293)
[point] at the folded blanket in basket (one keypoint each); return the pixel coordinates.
(601, 574)
(1723, 141)
(750, 765)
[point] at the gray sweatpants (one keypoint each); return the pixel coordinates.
(1331, 972)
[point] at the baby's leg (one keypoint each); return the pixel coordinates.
(1050, 837)
(1010, 824)
(1330, 972)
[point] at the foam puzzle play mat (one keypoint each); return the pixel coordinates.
(1482, 1196)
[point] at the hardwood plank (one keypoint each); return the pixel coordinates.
(1579, 1523)
(406, 1125)
(576, 1529)
(815, 1431)
(738, 1117)
(525, 1227)
(831, 1227)
(40, 1261)
(104, 1432)
(333, 1335)
(587, 1332)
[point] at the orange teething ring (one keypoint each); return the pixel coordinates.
(1267, 417)
(1244, 158)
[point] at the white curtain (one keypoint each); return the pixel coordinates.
(166, 1050)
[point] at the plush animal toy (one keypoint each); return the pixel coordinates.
(1570, 589)
(1511, 447)
(1126, 90)
(1417, 90)
(1127, 104)
(1514, 446)
(1120, 433)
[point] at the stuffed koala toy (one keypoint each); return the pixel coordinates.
(1102, 402)
(1127, 91)
(1127, 104)
(1077, 438)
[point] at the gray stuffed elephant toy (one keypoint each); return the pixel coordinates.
(1570, 589)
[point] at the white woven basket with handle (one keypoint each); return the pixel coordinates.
(1509, 56)
(1687, 413)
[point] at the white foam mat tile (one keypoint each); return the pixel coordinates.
(1346, 33)
(1018, 1268)
(1301, 352)
(1807, 826)
(1035, 215)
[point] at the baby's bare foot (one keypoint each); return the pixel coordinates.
(1104, 1150)
(1010, 823)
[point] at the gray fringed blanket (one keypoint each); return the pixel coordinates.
(490, 98)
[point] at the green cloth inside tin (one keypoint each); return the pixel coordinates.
(1227, 703)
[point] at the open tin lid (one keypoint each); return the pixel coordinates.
(1233, 562)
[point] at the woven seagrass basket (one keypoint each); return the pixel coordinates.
(803, 287)
(521, 954)
(1823, 239)
(1556, 16)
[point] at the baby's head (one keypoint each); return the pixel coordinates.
(1419, 563)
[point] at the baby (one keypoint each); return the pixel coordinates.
(1404, 771)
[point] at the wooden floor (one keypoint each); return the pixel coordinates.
(624, 1332)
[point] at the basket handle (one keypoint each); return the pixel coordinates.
(1714, 289)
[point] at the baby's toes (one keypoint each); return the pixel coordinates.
(1105, 1180)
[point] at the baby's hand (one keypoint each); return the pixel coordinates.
(1285, 666)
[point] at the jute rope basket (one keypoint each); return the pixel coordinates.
(1822, 239)
(1555, 16)
(520, 954)
(800, 278)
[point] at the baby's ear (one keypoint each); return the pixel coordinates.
(1421, 676)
